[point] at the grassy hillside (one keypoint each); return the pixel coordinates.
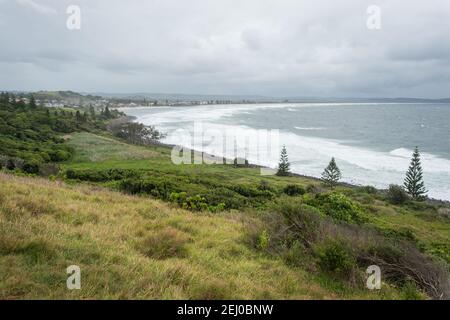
(131, 247)
(314, 244)
(427, 224)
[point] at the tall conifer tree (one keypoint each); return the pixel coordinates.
(414, 184)
(331, 175)
(283, 165)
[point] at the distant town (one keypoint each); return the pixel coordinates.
(61, 99)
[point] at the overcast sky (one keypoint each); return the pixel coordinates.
(267, 47)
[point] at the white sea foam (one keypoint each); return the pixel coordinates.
(309, 128)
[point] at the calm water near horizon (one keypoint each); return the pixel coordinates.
(372, 143)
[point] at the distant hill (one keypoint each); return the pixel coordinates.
(63, 95)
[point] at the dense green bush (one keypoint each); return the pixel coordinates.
(250, 191)
(336, 257)
(230, 198)
(94, 175)
(59, 155)
(304, 221)
(194, 203)
(396, 194)
(157, 188)
(294, 190)
(31, 166)
(338, 206)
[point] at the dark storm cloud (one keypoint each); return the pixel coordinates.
(284, 48)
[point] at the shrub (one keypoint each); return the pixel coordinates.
(246, 191)
(10, 164)
(339, 207)
(102, 175)
(165, 243)
(216, 208)
(294, 190)
(59, 155)
(31, 166)
(396, 194)
(335, 257)
(230, 198)
(194, 203)
(301, 222)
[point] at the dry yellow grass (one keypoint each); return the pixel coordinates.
(131, 247)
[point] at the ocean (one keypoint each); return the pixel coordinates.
(371, 142)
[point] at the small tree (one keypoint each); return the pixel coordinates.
(414, 184)
(331, 175)
(283, 165)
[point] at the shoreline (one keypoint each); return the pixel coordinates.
(293, 174)
(254, 165)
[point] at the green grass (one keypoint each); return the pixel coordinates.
(94, 148)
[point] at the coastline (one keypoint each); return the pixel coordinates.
(292, 174)
(312, 178)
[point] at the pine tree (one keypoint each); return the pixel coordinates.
(331, 175)
(414, 184)
(283, 165)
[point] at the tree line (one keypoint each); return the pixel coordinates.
(413, 184)
(31, 134)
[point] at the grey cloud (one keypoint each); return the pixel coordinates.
(284, 47)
